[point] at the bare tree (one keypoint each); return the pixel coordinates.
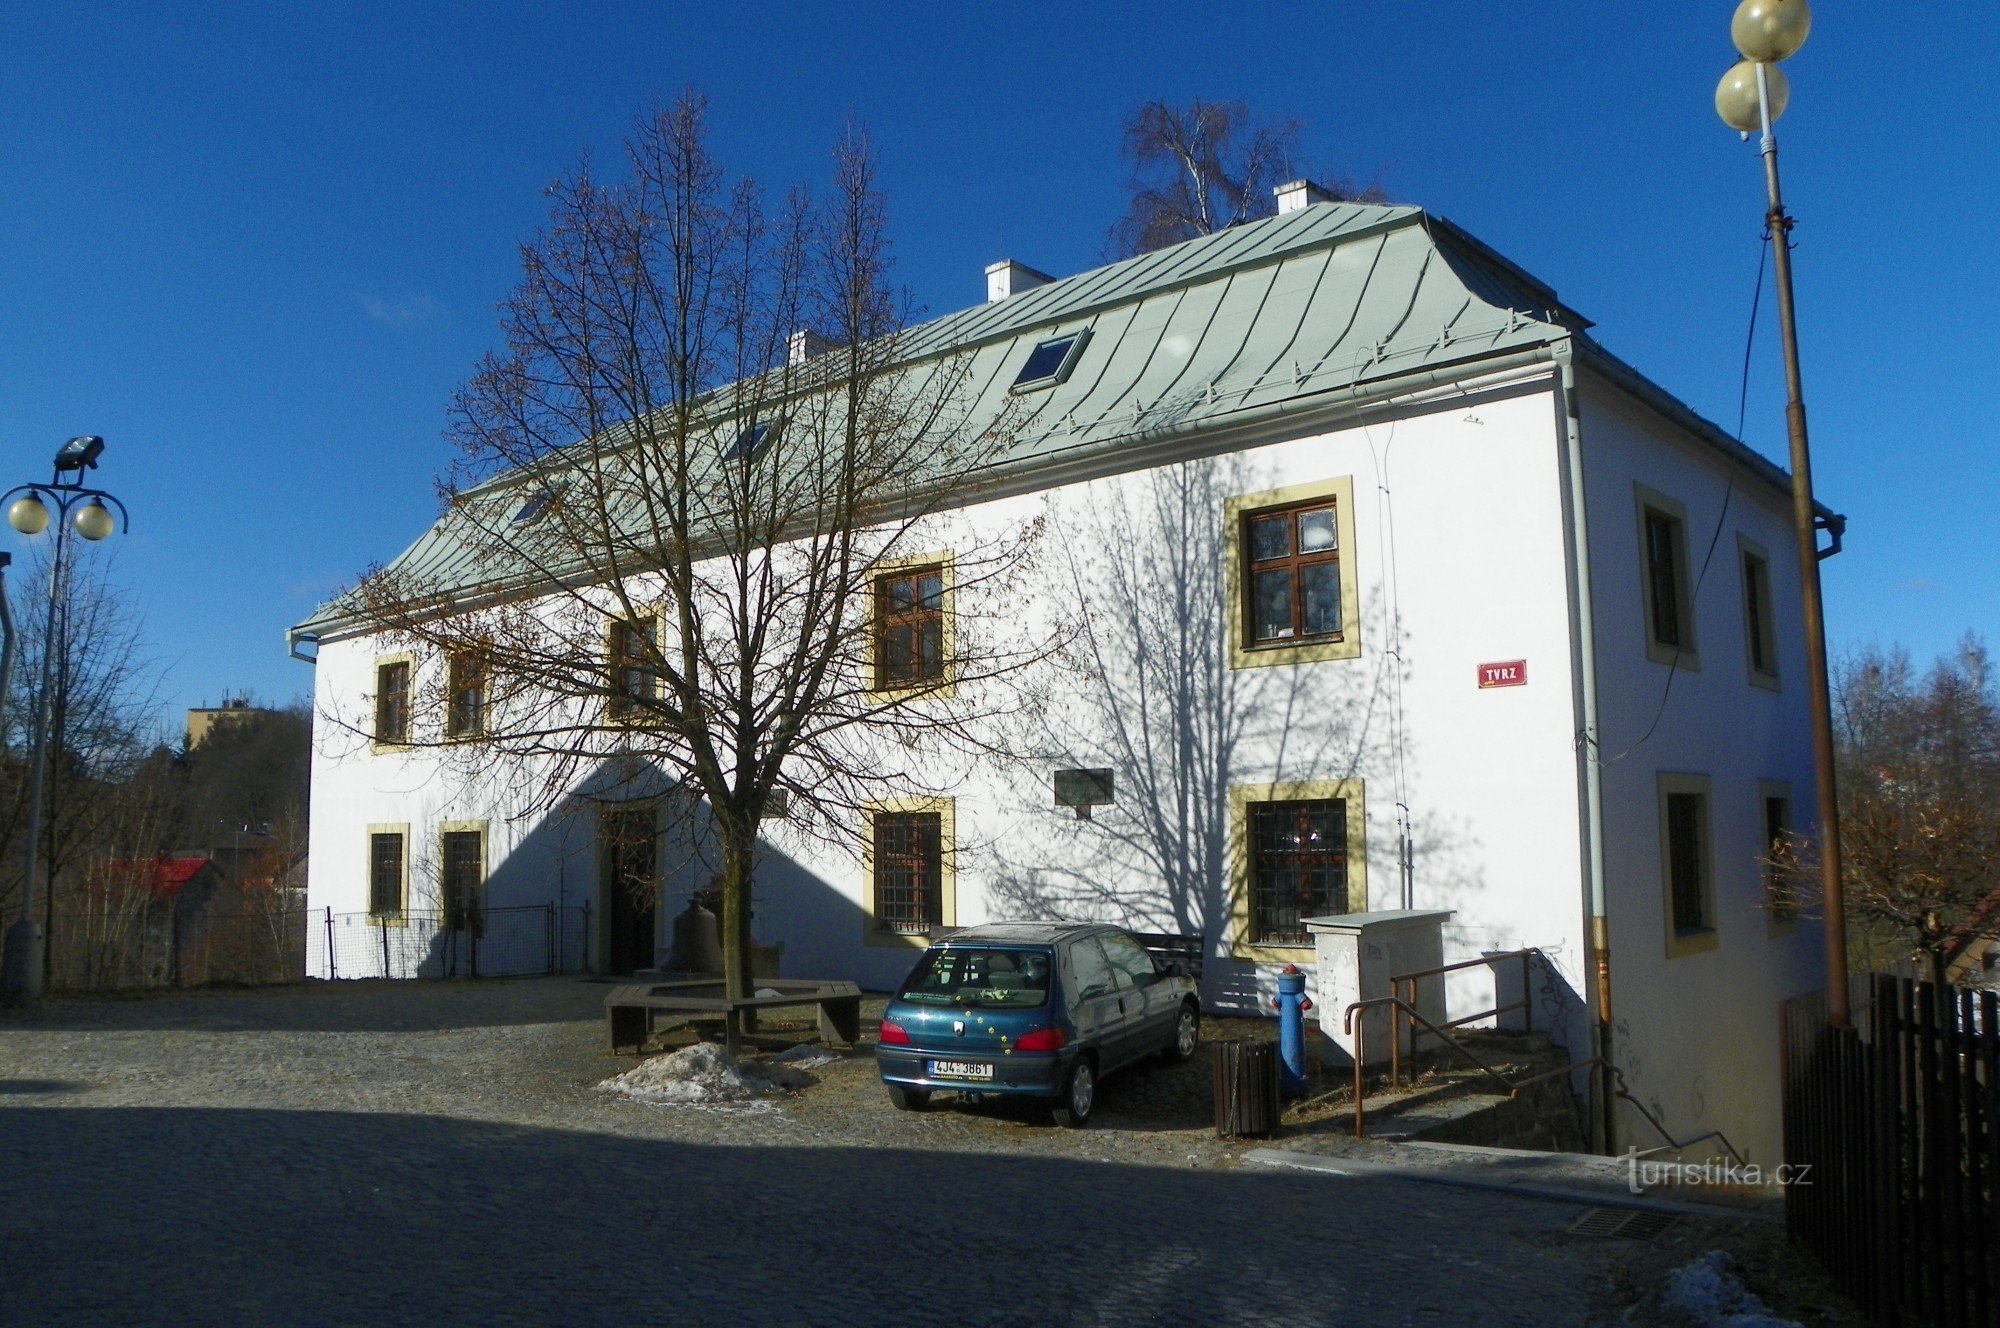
(1919, 784)
(1205, 166)
(664, 552)
(104, 693)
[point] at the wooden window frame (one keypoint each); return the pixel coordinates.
(1242, 921)
(881, 575)
(1651, 506)
(624, 703)
(379, 700)
(1237, 514)
(445, 905)
(457, 724)
(1778, 920)
(1681, 941)
(399, 831)
(1760, 619)
(874, 931)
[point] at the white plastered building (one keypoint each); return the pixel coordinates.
(1404, 593)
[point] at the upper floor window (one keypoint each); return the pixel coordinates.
(392, 701)
(634, 674)
(1663, 561)
(1293, 571)
(910, 612)
(1291, 575)
(465, 694)
(1050, 362)
(1760, 634)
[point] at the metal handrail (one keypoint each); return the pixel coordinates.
(1525, 1004)
(1358, 1031)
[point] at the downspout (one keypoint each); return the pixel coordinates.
(1583, 651)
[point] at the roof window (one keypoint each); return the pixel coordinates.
(1050, 361)
(750, 441)
(536, 504)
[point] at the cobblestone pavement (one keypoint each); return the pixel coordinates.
(434, 1154)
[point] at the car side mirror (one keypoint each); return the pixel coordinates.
(1175, 969)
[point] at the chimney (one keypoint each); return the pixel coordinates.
(804, 345)
(1296, 194)
(1007, 277)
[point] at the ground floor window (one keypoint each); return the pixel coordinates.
(1686, 863)
(462, 880)
(908, 870)
(386, 876)
(1297, 853)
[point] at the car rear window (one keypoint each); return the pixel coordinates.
(962, 975)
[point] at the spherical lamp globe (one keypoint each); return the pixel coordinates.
(1770, 30)
(1736, 95)
(93, 520)
(29, 514)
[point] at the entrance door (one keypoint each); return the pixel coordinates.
(628, 887)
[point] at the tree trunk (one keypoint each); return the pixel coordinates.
(738, 845)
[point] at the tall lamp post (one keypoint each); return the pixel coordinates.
(82, 508)
(1751, 97)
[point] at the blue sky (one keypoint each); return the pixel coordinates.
(256, 249)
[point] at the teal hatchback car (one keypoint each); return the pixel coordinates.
(1033, 1009)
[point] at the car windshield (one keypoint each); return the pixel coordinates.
(960, 975)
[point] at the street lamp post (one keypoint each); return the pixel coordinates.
(81, 507)
(1751, 96)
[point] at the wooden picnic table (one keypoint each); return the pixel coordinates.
(630, 1009)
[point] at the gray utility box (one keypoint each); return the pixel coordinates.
(1356, 955)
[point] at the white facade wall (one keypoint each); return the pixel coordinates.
(1456, 540)
(1697, 1032)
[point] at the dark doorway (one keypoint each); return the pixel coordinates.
(628, 883)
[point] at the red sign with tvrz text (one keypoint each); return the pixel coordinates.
(1507, 673)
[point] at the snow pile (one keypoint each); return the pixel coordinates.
(1710, 1294)
(705, 1075)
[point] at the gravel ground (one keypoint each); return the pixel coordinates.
(529, 1052)
(378, 1153)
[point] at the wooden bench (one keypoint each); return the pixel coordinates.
(630, 1009)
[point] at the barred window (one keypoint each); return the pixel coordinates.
(909, 871)
(385, 874)
(1687, 858)
(462, 881)
(909, 627)
(392, 701)
(1298, 867)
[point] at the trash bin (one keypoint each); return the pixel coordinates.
(1246, 1088)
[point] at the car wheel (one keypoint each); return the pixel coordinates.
(1187, 1035)
(1079, 1097)
(909, 1099)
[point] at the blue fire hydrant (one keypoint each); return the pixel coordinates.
(1292, 1004)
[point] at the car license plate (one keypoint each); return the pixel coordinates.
(960, 1070)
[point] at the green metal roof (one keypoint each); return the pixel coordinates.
(1324, 299)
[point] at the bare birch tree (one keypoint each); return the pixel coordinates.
(666, 535)
(1206, 166)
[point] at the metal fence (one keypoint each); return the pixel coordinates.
(1895, 1120)
(501, 942)
(126, 945)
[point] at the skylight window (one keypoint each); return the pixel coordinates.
(751, 441)
(1050, 361)
(537, 503)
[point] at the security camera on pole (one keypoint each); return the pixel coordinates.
(83, 508)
